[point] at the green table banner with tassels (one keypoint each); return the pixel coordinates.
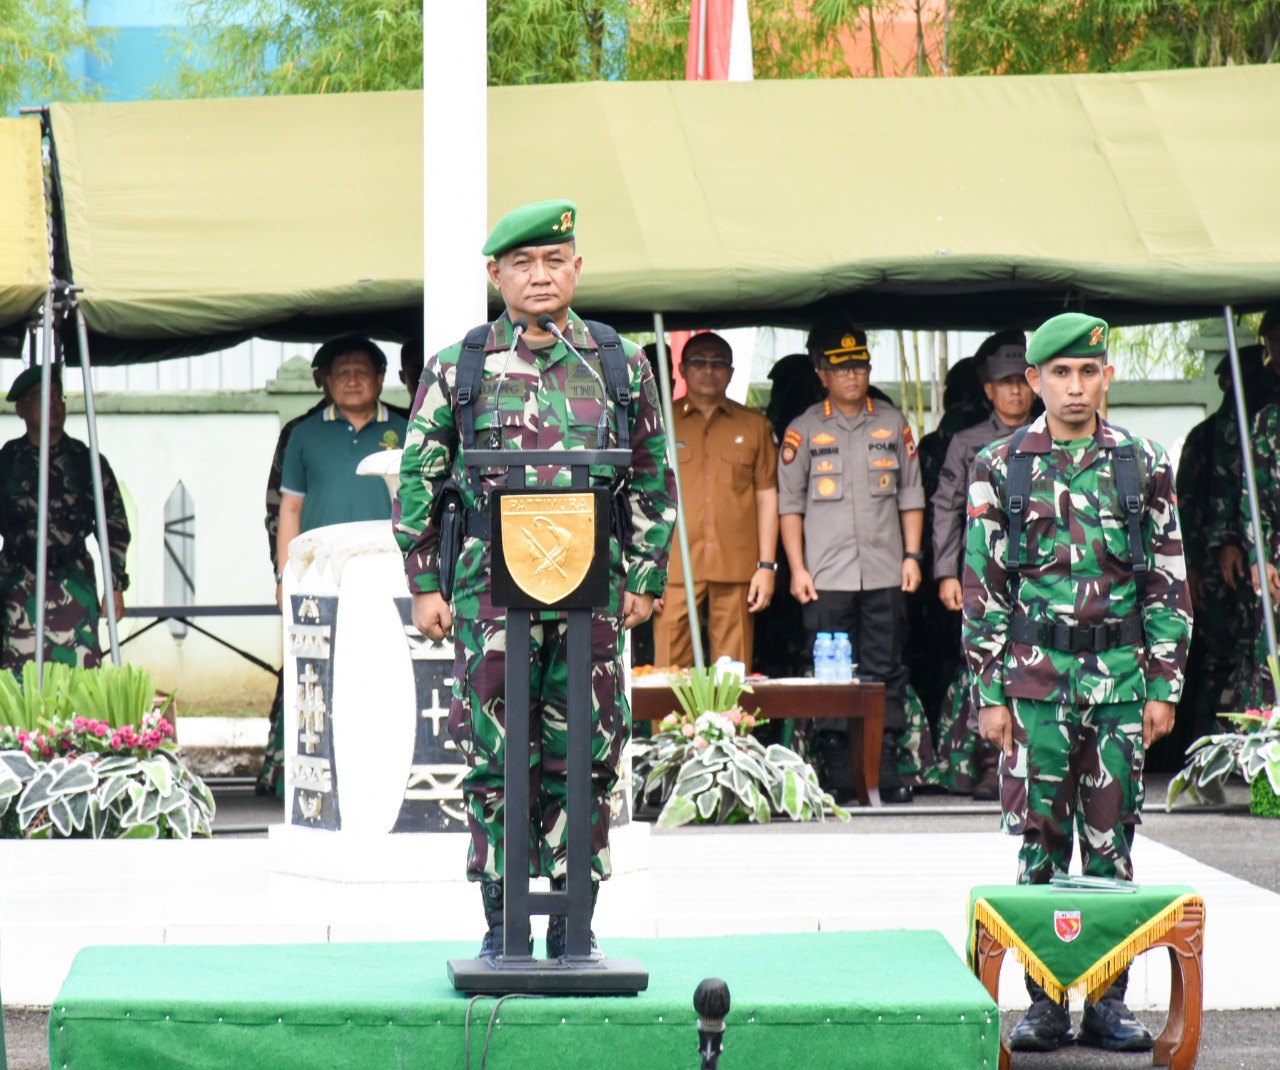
(1073, 939)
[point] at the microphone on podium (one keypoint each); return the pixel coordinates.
(518, 326)
(546, 323)
(711, 1001)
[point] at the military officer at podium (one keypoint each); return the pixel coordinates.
(1077, 621)
(535, 394)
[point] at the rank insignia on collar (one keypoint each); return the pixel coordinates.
(822, 438)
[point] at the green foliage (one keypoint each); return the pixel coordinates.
(37, 38)
(707, 691)
(1073, 36)
(1264, 801)
(1156, 351)
(118, 696)
(264, 47)
(534, 42)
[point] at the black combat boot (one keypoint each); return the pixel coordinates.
(986, 758)
(892, 789)
(558, 926)
(492, 945)
(1045, 1027)
(1110, 1024)
(833, 753)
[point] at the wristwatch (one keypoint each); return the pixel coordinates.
(914, 555)
(279, 576)
(772, 566)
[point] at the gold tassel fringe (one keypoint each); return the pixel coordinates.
(1098, 978)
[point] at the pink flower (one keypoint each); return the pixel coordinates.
(735, 716)
(80, 723)
(1253, 713)
(699, 743)
(670, 719)
(688, 731)
(100, 729)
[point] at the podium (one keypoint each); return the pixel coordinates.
(550, 552)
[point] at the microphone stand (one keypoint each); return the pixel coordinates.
(546, 323)
(711, 1001)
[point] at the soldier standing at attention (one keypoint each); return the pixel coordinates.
(71, 592)
(534, 394)
(1077, 620)
(852, 516)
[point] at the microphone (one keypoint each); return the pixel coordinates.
(518, 327)
(711, 1001)
(546, 323)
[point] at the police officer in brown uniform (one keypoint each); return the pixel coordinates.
(851, 508)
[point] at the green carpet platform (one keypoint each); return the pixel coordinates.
(863, 999)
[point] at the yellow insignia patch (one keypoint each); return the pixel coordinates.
(793, 439)
(885, 481)
(822, 438)
(390, 440)
(881, 432)
(825, 466)
(1095, 336)
(882, 462)
(566, 224)
(826, 487)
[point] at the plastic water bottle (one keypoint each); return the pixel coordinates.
(824, 657)
(843, 657)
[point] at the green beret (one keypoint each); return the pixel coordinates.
(349, 343)
(540, 223)
(31, 377)
(1072, 334)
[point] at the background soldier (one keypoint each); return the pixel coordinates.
(535, 395)
(71, 592)
(966, 761)
(1089, 658)
(852, 516)
(729, 484)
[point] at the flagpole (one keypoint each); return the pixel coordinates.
(702, 40)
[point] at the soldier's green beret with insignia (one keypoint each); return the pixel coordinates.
(30, 377)
(540, 223)
(1072, 334)
(349, 343)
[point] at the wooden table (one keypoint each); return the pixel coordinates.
(861, 703)
(1178, 1045)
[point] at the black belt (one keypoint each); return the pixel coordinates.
(1077, 638)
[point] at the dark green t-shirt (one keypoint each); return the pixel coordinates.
(320, 466)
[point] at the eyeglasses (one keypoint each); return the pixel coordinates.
(845, 369)
(707, 362)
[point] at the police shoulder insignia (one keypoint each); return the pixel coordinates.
(390, 440)
(910, 442)
(822, 438)
(790, 443)
(788, 453)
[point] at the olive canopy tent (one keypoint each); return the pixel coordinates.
(193, 225)
(24, 232)
(912, 202)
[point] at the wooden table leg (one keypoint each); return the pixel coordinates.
(866, 735)
(988, 956)
(1178, 1045)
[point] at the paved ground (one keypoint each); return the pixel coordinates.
(1229, 840)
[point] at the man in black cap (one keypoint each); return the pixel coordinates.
(72, 605)
(852, 517)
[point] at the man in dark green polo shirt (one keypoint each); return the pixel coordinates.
(319, 484)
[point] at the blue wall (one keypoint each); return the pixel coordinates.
(138, 50)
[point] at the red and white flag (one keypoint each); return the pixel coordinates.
(720, 49)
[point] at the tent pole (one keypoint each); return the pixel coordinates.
(682, 531)
(1246, 449)
(95, 467)
(42, 481)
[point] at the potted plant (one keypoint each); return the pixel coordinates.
(703, 765)
(84, 754)
(1252, 749)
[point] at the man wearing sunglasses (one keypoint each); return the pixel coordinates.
(852, 519)
(729, 489)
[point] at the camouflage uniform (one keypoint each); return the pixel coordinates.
(271, 778)
(1255, 689)
(1077, 716)
(547, 401)
(71, 599)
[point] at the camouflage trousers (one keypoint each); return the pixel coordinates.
(1083, 769)
(956, 736)
(70, 620)
(916, 765)
(477, 724)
